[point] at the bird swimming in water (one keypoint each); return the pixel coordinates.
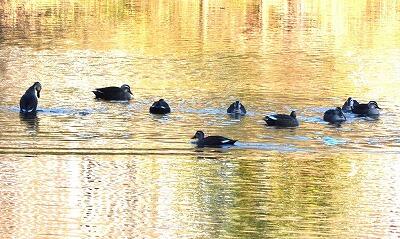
(160, 107)
(371, 109)
(212, 141)
(29, 101)
(282, 120)
(114, 93)
(334, 116)
(236, 108)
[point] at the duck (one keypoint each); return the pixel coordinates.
(370, 109)
(334, 115)
(349, 104)
(212, 141)
(236, 108)
(114, 93)
(160, 107)
(29, 101)
(282, 120)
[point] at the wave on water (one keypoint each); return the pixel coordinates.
(330, 141)
(268, 147)
(56, 111)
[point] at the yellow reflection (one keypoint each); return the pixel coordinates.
(280, 35)
(268, 47)
(182, 26)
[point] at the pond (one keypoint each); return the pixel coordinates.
(87, 168)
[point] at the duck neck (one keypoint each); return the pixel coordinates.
(31, 90)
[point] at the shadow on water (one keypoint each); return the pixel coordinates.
(268, 147)
(54, 111)
(65, 112)
(236, 116)
(31, 121)
(160, 117)
(250, 146)
(336, 124)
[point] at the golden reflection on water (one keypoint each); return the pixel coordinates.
(204, 25)
(156, 197)
(344, 39)
(84, 168)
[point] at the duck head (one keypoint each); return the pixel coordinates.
(161, 103)
(126, 88)
(350, 102)
(373, 104)
(293, 114)
(236, 106)
(38, 87)
(198, 135)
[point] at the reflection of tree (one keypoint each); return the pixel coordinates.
(101, 207)
(9, 197)
(177, 25)
(3, 71)
(304, 195)
(253, 18)
(2, 25)
(277, 197)
(117, 200)
(231, 195)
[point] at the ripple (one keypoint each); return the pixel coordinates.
(269, 147)
(330, 141)
(84, 168)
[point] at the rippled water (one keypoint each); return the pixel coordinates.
(85, 168)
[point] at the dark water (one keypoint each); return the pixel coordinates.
(84, 168)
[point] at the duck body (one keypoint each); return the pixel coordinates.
(236, 108)
(29, 101)
(160, 107)
(282, 120)
(114, 93)
(334, 116)
(212, 141)
(370, 109)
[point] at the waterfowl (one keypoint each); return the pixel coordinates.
(212, 141)
(160, 107)
(114, 93)
(370, 109)
(236, 108)
(349, 104)
(282, 120)
(334, 116)
(29, 101)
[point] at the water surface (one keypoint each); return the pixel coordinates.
(84, 168)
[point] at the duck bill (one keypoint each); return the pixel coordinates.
(130, 92)
(38, 93)
(194, 137)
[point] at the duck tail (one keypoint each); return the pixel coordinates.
(97, 93)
